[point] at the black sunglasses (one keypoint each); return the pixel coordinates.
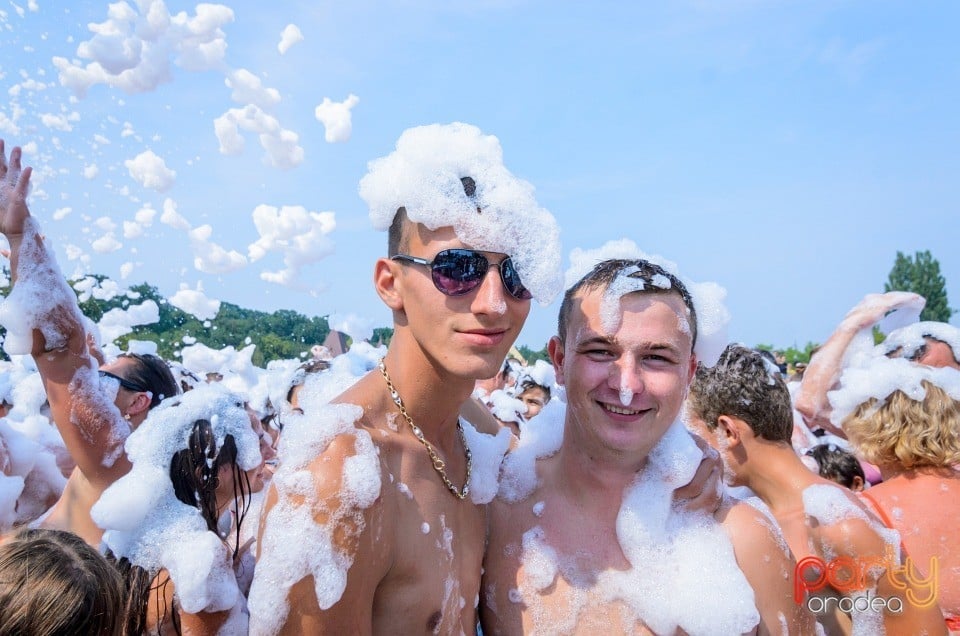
(456, 272)
(127, 384)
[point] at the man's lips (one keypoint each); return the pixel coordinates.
(621, 410)
(485, 336)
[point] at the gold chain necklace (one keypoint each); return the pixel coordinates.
(438, 464)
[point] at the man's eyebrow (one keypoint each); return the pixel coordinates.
(597, 339)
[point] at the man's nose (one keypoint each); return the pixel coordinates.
(625, 374)
(491, 296)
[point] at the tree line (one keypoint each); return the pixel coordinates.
(285, 334)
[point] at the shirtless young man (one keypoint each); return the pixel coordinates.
(94, 412)
(400, 542)
(592, 545)
(746, 413)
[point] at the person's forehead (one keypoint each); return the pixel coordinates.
(594, 303)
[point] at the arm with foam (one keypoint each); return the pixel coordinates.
(42, 318)
(767, 563)
(825, 366)
(325, 537)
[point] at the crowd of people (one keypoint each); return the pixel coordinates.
(649, 478)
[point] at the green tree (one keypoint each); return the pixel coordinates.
(921, 274)
(532, 356)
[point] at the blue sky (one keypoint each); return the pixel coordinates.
(785, 150)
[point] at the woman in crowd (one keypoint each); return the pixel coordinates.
(195, 463)
(915, 441)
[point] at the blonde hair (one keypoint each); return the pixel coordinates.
(908, 433)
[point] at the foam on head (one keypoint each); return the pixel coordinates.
(708, 298)
(142, 517)
(911, 337)
(877, 377)
(426, 175)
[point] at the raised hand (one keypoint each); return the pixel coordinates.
(873, 307)
(14, 183)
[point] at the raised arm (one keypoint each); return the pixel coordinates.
(43, 319)
(825, 366)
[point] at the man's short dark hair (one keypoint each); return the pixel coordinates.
(742, 385)
(604, 273)
(837, 464)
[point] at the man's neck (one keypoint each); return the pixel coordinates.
(596, 479)
(431, 397)
(777, 475)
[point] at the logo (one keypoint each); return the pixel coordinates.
(857, 578)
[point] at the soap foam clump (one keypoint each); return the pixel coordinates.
(424, 175)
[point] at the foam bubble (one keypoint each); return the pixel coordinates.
(424, 175)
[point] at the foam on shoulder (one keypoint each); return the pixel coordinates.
(294, 544)
(487, 452)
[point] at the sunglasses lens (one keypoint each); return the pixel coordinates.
(511, 281)
(458, 272)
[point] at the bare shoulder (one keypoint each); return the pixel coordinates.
(481, 418)
(749, 527)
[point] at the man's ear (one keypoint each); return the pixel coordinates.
(857, 484)
(692, 369)
(555, 350)
(729, 429)
(387, 284)
(140, 404)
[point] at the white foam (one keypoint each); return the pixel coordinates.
(540, 437)
(145, 522)
(909, 338)
(423, 175)
(487, 452)
(873, 375)
(293, 544)
(40, 292)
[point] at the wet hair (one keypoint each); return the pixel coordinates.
(907, 433)
(604, 273)
(195, 470)
(741, 385)
(837, 464)
(53, 584)
(194, 473)
(152, 373)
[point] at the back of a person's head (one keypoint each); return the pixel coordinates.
(908, 433)
(53, 584)
(153, 373)
(838, 465)
(743, 385)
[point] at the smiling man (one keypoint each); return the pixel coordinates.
(596, 545)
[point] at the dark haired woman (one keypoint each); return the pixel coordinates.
(176, 516)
